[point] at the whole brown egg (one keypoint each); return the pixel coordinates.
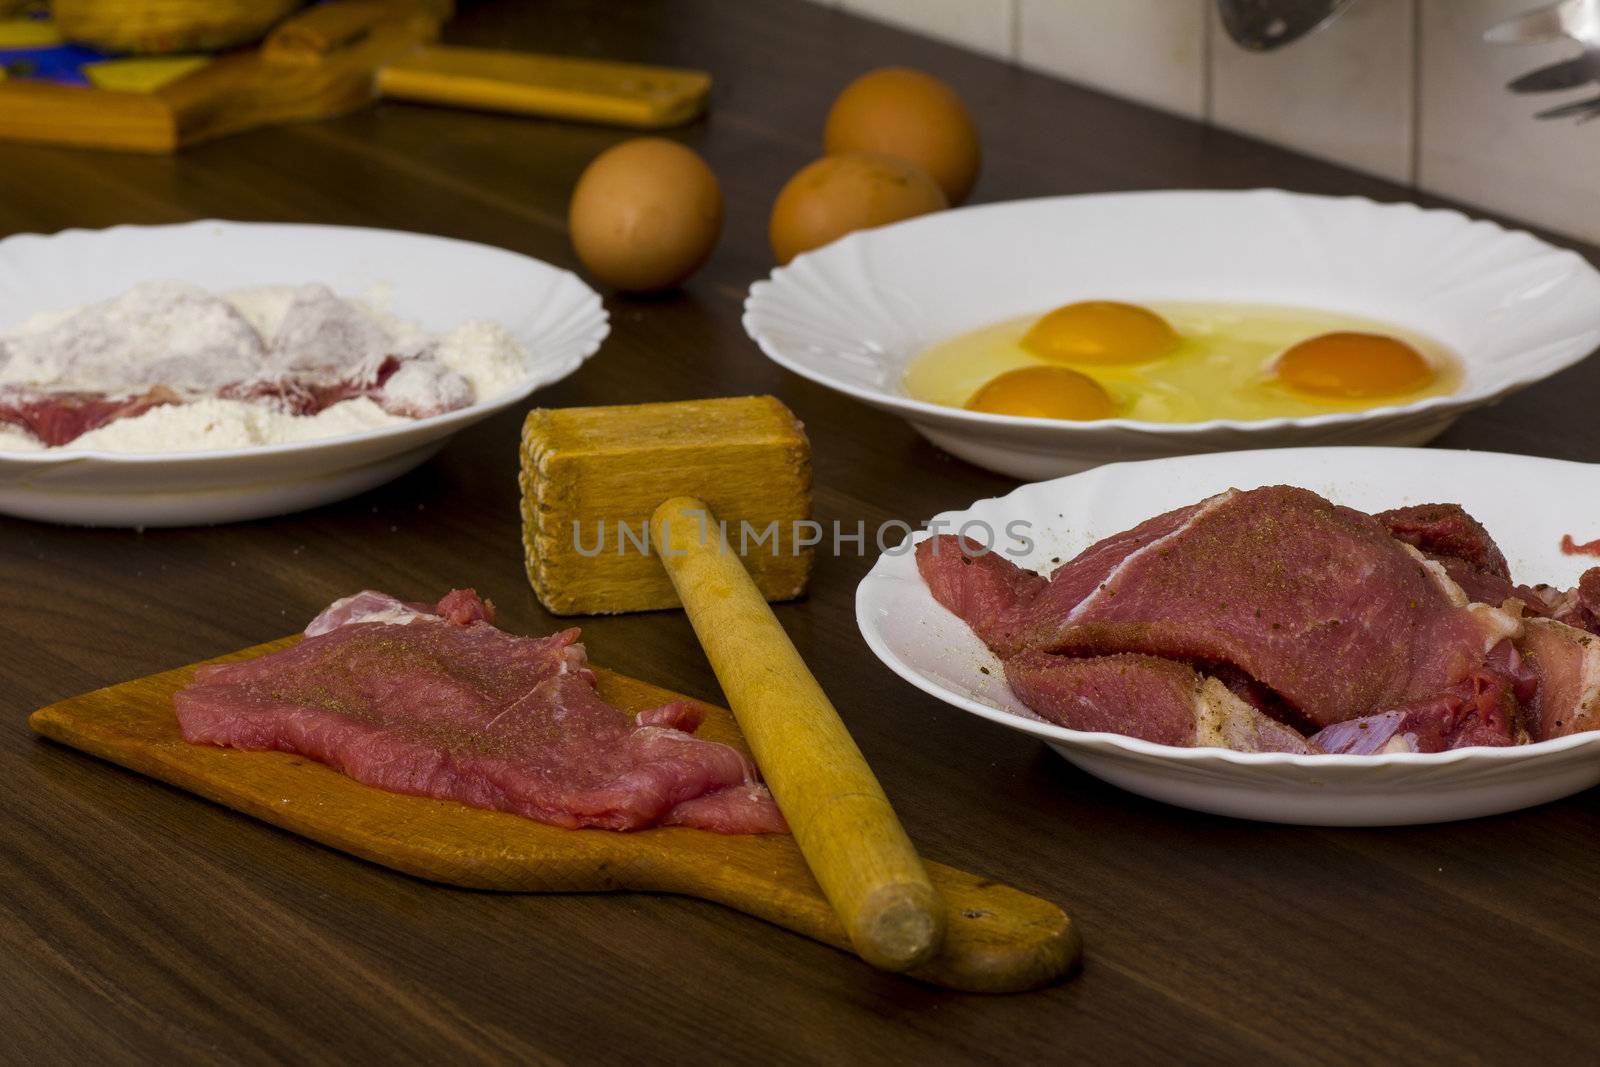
(897, 111)
(645, 214)
(840, 194)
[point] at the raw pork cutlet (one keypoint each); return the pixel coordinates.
(1002, 602)
(438, 702)
(326, 350)
(1567, 664)
(57, 418)
(168, 343)
(1455, 540)
(120, 358)
(1156, 699)
(1559, 646)
(1312, 613)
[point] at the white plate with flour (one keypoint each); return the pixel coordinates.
(434, 282)
(1527, 504)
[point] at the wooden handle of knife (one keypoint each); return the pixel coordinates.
(842, 821)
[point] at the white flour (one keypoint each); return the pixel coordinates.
(212, 423)
(180, 337)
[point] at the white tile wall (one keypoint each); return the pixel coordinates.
(1405, 89)
(982, 25)
(1343, 93)
(1481, 144)
(1152, 51)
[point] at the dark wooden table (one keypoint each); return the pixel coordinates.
(138, 922)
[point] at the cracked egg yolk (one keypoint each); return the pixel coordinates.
(1351, 364)
(1043, 393)
(1101, 332)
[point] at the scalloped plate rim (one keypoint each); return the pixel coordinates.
(767, 292)
(586, 343)
(880, 576)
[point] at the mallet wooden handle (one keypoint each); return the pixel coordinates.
(848, 833)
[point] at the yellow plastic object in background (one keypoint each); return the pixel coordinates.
(144, 75)
(617, 94)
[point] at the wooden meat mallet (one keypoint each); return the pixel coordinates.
(662, 475)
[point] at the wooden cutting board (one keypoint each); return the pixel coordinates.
(237, 91)
(1000, 939)
(338, 56)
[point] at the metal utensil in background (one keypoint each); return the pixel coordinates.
(1582, 110)
(1263, 25)
(1576, 20)
(1571, 73)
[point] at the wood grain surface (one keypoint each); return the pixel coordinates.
(139, 923)
(1001, 940)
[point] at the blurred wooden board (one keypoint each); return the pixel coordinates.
(999, 940)
(617, 94)
(234, 92)
(334, 58)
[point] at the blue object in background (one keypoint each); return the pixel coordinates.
(60, 63)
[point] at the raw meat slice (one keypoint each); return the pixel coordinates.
(1447, 530)
(155, 334)
(1580, 606)
(307, 394)
(1479, 711)
(1484, 710)
(1455, 540)
(461, 606)
(170, 343)
(1000, 600)
(738, 809)
(1377, 631)
(369, 605)
(1146, 697)
(321, 335)
(1567, 664)
(56, 418)
(417, 703)
(1316, 602)
(327, 349)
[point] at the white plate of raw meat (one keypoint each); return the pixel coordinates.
(852, 315)
(434, 282)
(1528, 505)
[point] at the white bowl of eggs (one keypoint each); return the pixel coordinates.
(1042, 337)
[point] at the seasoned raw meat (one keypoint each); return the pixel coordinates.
(1317, 603)
(1253, 619)
(1156, 699)
(1002, 602)
(1483, 709)
(439, 703)
(369, 605)
(1566, 662)
(1447, 530)
(459, 606)
(1455, 540)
